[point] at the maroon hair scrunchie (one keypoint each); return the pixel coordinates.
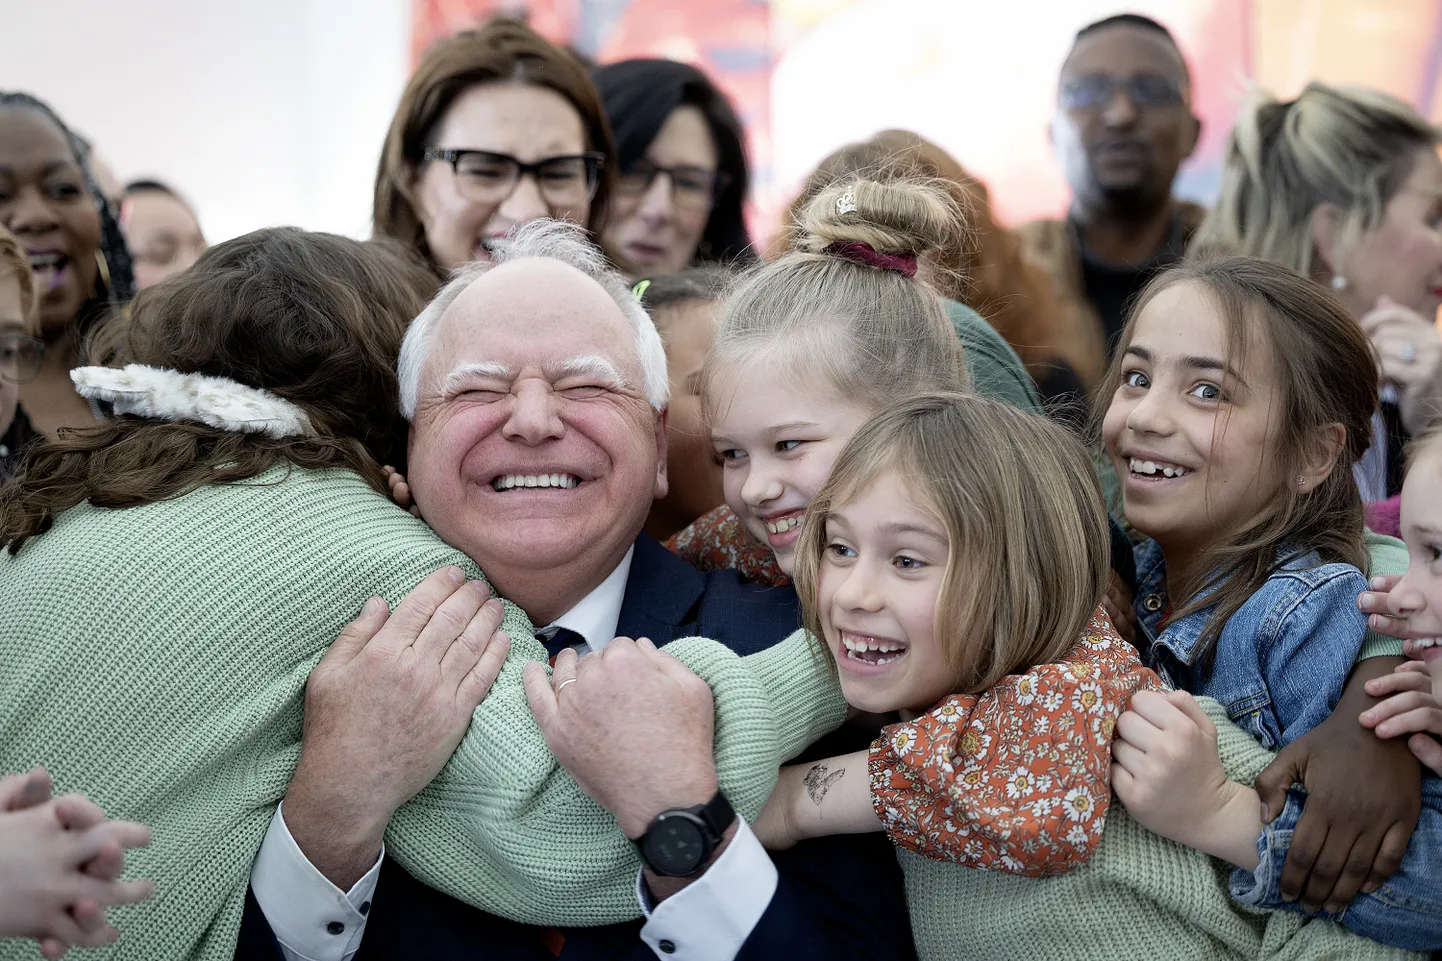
(868, 256)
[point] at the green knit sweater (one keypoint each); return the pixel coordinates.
(1140, 896)
(155, 658)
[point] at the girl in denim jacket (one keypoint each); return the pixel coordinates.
(1241, 396)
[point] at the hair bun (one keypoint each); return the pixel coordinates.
(906, 217)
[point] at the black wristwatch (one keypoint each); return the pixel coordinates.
(680, 842)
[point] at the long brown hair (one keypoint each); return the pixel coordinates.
(1327, 375)
(502, 50)
(1029, 549)
(314, 318)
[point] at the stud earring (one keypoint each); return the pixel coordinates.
(1301, 481)
(1339, 283)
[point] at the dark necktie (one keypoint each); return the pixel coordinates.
(557, 639)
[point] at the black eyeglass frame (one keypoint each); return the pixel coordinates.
(594, 161)
(1133, 86)
(720, 179)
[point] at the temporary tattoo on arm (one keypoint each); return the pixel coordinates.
(819, 780)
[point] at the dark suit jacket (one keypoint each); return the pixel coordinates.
(836, 898)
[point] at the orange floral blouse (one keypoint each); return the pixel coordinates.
(717, 542)
(1016, 779)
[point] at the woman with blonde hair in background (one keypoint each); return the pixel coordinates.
(1344, 185)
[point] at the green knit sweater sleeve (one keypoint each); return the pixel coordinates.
(505, 829)
(1385, 555)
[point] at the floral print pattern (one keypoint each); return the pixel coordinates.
(1015, 779)
(717, 542)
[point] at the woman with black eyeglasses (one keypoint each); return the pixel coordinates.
(496, 128)
(682, 180)
(20, 349)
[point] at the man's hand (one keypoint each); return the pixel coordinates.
(384, 710)
(59, 864)
(1171, 780)
(1353, 830)
(632, 725)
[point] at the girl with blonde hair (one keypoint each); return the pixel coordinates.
(1344, 186)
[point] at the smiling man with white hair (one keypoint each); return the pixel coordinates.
(536, 389)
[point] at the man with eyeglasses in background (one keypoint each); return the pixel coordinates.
(1123, 127)
(20, 350)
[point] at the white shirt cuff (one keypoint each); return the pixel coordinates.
(711, 918)
(312, 919)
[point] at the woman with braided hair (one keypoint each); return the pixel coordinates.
(50, 201)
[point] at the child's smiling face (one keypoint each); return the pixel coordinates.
(1192, 430)
(1418, 595)
(880, 575)
(777, 438)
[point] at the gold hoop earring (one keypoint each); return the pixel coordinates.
(104, 268)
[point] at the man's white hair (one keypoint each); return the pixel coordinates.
(559, 240)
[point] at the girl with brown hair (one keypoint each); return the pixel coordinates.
(497, 127)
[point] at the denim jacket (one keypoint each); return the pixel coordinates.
(1281, 661)
(1279, 667)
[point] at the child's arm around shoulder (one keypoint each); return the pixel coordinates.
(1014, 779)
(1169, 774)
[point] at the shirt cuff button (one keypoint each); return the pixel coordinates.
(335, 927)
(666, 947)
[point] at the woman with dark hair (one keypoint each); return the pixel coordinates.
(51, 202)
(497, 127)
(671, 120)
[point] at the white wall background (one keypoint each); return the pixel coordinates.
(262, 112)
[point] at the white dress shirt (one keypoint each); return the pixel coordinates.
(708, 921)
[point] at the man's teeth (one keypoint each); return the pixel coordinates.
(1152, 467)
(45, 261)
(1418, 643)
(784, 525)
(509, 481)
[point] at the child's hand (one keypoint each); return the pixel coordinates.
(1167, 771)
(400, 490)
(59, 861)
(1377, 603)
(1414, 707)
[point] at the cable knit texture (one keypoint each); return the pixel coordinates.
(1139, 896)
(155, 658)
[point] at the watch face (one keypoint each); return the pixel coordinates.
(675, 846)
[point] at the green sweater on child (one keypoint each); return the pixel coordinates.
(155, 658)
(1139, 896)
